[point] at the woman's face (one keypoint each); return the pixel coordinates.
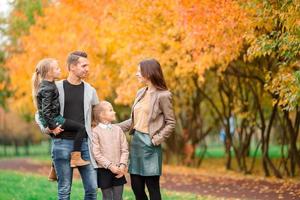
(139, 76)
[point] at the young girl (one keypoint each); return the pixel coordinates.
(46, 99)
(110, 150)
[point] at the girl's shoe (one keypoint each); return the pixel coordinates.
(76, 160)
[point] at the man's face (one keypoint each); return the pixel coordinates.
(81, 69)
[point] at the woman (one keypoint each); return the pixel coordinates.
(152, 121)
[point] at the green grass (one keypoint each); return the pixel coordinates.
(18, 186)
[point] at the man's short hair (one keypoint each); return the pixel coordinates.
(74, 57)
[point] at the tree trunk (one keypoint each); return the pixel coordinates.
(293, 151)
(27, 148)
(267, 141)
(228, 153)
(254, 156)
(17, 153)
(201, 157)
(5, 149)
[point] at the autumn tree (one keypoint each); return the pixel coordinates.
(276, 46)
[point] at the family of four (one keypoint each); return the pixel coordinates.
(84, 136)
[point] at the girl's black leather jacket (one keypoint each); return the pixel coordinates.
(48, 103)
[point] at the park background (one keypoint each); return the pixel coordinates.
(232, 66)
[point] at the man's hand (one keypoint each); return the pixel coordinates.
(57, 130)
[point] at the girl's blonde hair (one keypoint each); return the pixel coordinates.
(41, 70)
(97, 109)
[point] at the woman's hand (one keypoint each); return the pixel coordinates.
(153, 143)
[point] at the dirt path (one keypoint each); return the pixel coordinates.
(218, 186)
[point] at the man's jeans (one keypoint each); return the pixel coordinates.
(61, 155)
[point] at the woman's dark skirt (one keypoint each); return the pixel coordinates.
(145, 159)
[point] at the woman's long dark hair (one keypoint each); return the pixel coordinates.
(151, 70)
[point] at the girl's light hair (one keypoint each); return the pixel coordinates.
(41, 70)
(97, 109)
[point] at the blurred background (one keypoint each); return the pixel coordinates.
(232, 66)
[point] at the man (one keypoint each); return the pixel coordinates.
(76, 99)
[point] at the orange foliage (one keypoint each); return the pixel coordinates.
(187, 37)
(216, 31)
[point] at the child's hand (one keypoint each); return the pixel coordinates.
(114, 169)
(120, 174)
(123, 170)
